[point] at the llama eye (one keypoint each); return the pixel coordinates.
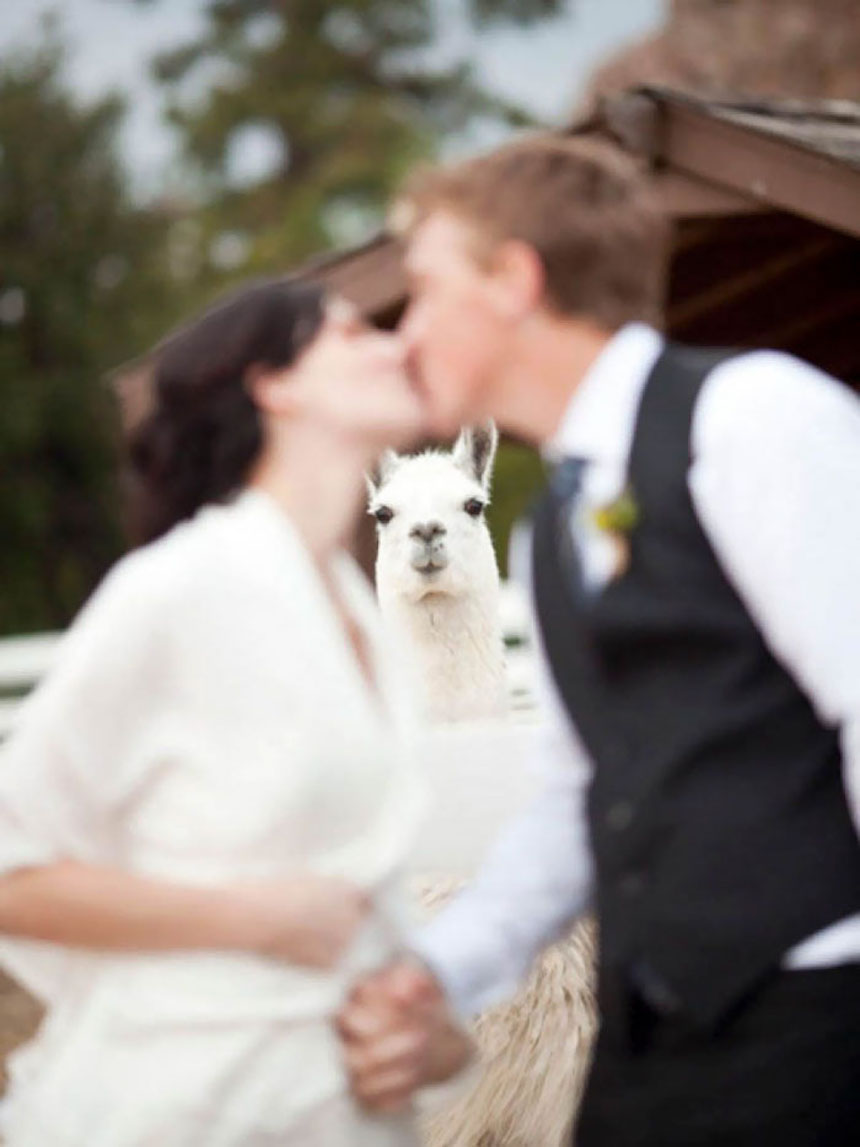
(383, 515)
(474, 507)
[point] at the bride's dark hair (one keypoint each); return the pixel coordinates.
(202, 432)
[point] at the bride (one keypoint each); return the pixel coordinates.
(205, 805)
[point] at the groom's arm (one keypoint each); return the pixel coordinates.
(538, 877)
(533, 884)
(400, 1026)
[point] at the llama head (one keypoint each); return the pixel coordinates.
(429, 508)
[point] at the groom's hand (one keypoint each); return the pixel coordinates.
(398, 1036)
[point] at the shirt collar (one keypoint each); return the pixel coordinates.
(599, 420)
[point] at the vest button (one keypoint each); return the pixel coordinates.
(631, 884)
(618, 750)
(619, 816)
(656, 992)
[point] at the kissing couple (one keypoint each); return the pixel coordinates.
(206, 805)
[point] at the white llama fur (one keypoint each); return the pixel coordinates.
(533, 1051)
(437, 578)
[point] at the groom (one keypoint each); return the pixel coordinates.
(694, 569)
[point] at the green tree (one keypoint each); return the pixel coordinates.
(349, 98)
(350, 95)
(83, 284)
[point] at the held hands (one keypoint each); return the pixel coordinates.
(399, 1035)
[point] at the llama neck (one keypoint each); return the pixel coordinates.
(456, 647)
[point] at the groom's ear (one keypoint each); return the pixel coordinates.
(519, 279)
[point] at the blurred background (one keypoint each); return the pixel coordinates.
(153, 152)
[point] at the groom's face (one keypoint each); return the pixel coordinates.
(456, 327)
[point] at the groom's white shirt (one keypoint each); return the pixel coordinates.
(775, 482)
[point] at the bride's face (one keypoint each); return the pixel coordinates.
(351, 380)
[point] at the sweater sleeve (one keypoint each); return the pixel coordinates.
(72, 756)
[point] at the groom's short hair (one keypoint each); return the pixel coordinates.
(582, 204)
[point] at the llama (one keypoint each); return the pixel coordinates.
(438, 588)
(436, 574)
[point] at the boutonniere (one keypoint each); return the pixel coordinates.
(616, 520)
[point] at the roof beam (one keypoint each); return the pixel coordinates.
(761, 275)
(789, 334)
(772, 170)
(371, 277)
(687, 197)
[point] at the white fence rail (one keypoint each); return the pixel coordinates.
(25, 660)
(516, 627)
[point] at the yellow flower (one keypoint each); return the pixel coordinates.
(619, 516)
(617, 519)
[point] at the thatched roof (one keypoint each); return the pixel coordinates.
(766, 48)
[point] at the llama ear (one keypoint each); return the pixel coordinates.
(475, 450)
(381, 472)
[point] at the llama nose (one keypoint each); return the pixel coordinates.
(427, 531)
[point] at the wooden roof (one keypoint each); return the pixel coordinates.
(766, 200)
(826, 127)
(765, 196)
(802, 157)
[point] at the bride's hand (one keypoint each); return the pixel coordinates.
(309, 920)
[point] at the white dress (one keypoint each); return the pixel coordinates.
(207, 722)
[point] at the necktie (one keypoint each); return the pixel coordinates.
(566, 481)
(564, 489)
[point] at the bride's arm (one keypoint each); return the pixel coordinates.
(76, 762)
(307, 920)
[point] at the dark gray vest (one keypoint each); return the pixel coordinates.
(718, 819)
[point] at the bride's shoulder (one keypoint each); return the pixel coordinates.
(165, 571)
(235, 553)
(228, 563)
(217, 535)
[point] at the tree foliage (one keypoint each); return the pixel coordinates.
(82, 284)
(349, 94)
